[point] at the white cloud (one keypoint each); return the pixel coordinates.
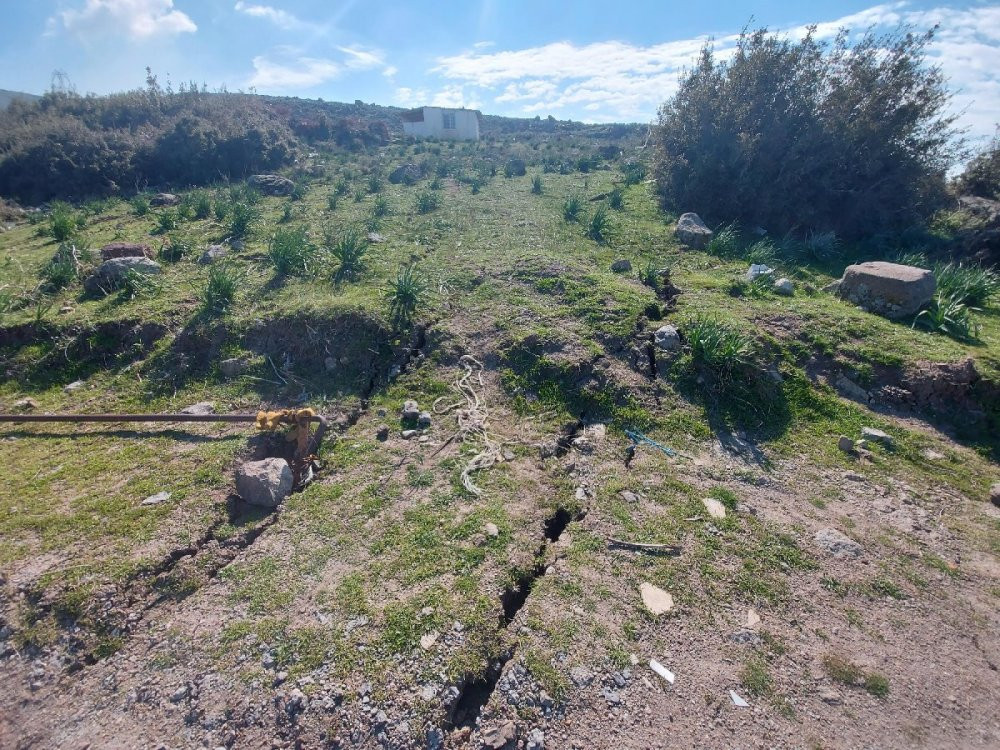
(454, 96)
(280, 18)
(297, 74)
(407, 97)
(362, 59)
(613, 80)
(136, 19)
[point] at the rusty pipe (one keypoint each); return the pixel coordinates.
(138, 418)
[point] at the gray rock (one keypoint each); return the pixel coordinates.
(237, 244)
(848, 388)
(629, 497)
(497, 738)
(515, 168)
(845, 444)
(581, 677)
(619, 679)
(180, 694)
(612, 696)
(877, 436)
(545, 700)
(382, 433)
(233, 367)
(424, 419)
(265, 483)
(667, 339)
(74, 386)
(112, 273)
(159, 497)
(784, 287)
(435, 739)
(889, 289)
(837, 544)
(405, 173)
(202, 408)
(830, 696)
(25, 404)
(212, 254)
(757, 270)
(407, 434)
(271, 184)
(692, 231)
(536, 739)
(410, 410)
(164, 199)
(491, 530)
(995, 494)
(622, 265)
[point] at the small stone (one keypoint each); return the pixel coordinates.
(932, 455)
(492, 530)
(435, 739)
(202, 408)
(424, 419)
(877, 436)
(667, 339)
(692, 231)
(265, 483)
(581, 677)
(25, 404)
(612, 696)
(382, 433)
(429, 639)
(655, 599)
(536, 740)
(757, 270)
(407, 434)
(410, 411)
(74, 386)
(180, 694)
(159, 497)
(830, 696)
(279, 678)
(581, 493)
(500, 737)
(233, 367)
(837, 544)
(714, 507)
(784, 287)
(845, 444)
(753, 619)
(212, 254)
(622, 265)
(164, 199)
(545, 700)
(619, 679)
(629, 497)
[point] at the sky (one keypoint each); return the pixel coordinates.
(589, 61)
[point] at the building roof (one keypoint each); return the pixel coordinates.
(417, 114)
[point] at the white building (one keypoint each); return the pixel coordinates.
(441, 122)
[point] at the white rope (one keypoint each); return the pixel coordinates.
(472, 421)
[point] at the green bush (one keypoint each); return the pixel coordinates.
(616, 199)
(140, 204)
(173, 250)
(950, 317)
(536, 185)
(243, 219)
(380, 207)
(167, 220)
(220, 288)
(427, 201)
(61, 270)
(634, 172)
(725, 242)
(290, 252)
(982, 175)
(348, 250)
(404, 294)
(572, 207)
(62, 222)
(970, 285)
(717, 346)
(202, 205)
(331, 201)
(600, 222)
(813, 136)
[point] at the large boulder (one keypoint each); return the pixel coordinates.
(405, 173)
(890, 289)
(271, 184)
(515, 168)
(164, 199)
(265, 483)
(692, 231)
(111, 273)
(126, 250)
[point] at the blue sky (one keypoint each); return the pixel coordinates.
(580, 60)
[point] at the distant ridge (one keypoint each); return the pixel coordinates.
(6, 97)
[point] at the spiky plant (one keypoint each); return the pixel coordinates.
(404, 294)
(572, 207)
(616, 199)
(220, 288)
(348, 251)
(290, 252)
(536, 184)
(600, 222)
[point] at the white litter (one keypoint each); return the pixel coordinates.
(737, 700)
(661, 670)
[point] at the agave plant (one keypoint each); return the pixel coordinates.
(348, 250)
(950, 316)
(572, 208)
(404, 294)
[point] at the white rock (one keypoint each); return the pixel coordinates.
(492, 530)
(200, 409)
(785, 287)
(159, 497)
(655, 599)
(753, 619)
(715, 508)
(837, 544)
(758, 269)
(265, 483)
(667, 339)
(429, 639)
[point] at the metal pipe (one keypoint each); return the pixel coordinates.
(137, 418)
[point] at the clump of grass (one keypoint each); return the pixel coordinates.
(970, 285)
(756, 678)
(222, 209)
(634, 172)
(331, 201)
(761, 252)
(348, 250)
(716, 345)
(173, 250)
(220, 288)
(435, 184)
(536, 184)
(616, 199)
(140, 204)
(846, 672)
(286, 213)
(341, 187)
(572, 207)
(725, 242)
(61, 271)
(290, 251)
(404, 294)
(299, 191)
(243, 219)
(359, 196)
(948, 316)
(821, 246)
(202, 205)
(600, 222)
(427, 201)
(380, 207)
(62, 223)
(167, 220)
(137, 285)
(649, 275)
(375, 183)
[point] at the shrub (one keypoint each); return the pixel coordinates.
(62, 270)
(202, 205)
(717, 345)
(374, 183)
(982, 175)
(599, 223)
(948, 316)
(762, 136)
(166, 220)
(220, 288)
(331, 201)
(173, 250)
(290, 251)
(136, 285)
(969, 285)
(243, 220)
(435, 184)
(222, 209)
(140, 205)
(404, 294)
(634, 172)
(616, 199)
(341, 187)
(761, 252)
(299, 191)
(348, 250)
(381, 206)
(725, 242)
(286, 213)
(62, 223)
(536, 185)
(572, 207)
(427, 201)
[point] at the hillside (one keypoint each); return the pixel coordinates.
(588, 497)
(6, 97)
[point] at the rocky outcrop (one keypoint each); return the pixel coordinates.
(889, 289)
(271, 184)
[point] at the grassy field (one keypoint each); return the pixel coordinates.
(378, 580)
